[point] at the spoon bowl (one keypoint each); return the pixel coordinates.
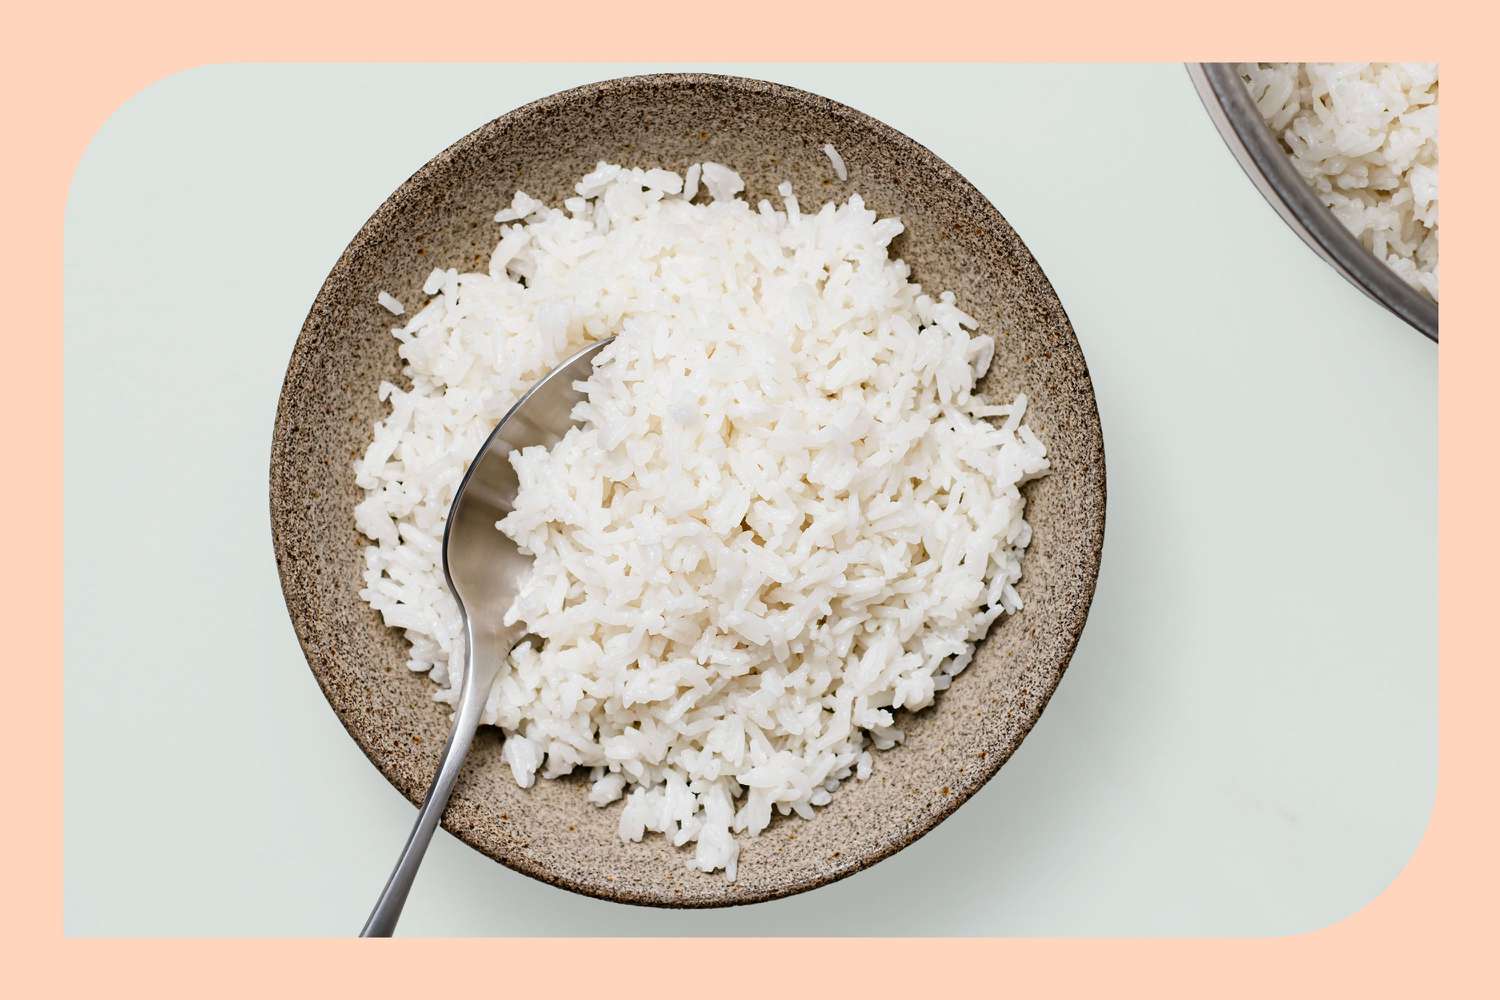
(484, 568)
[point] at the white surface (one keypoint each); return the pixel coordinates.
(1244, 744)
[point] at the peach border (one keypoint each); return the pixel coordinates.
(71, 65)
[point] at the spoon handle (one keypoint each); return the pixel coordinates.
(387, 911)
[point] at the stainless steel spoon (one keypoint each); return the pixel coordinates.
(483, 567)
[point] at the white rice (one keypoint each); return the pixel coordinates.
(1365, 137)
(390, 303)
(839, 169)
(783, 516)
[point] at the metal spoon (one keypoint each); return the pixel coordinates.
(483, 567)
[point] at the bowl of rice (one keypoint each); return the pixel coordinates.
(816, 553)
(1347, 155)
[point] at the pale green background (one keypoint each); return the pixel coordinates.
(1244, 744)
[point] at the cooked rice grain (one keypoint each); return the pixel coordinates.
(1365, 137)
(783, 515)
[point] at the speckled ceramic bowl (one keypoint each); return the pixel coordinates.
(443, 216)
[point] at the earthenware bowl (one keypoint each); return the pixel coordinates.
(443, 216)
